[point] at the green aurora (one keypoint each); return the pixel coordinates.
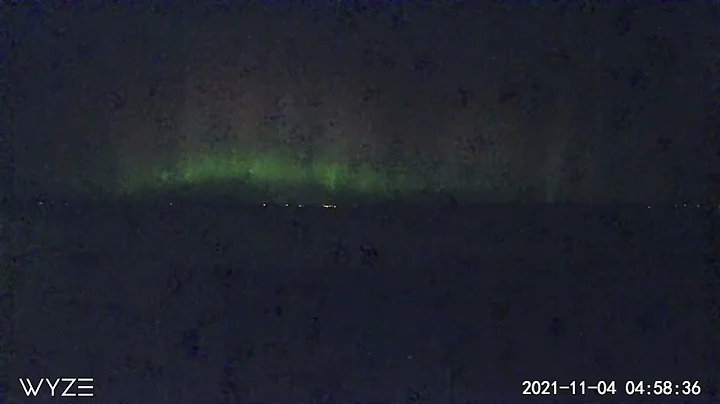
(277, 179)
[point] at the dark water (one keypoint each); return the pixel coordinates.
(220, 304)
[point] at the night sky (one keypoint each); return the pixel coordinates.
(290, 100)
(540, 102)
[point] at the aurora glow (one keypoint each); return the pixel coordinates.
(281, 180)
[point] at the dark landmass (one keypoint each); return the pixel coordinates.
(179, 301)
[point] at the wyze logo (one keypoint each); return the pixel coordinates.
(60, 387)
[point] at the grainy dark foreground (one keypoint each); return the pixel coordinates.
(220, 304)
